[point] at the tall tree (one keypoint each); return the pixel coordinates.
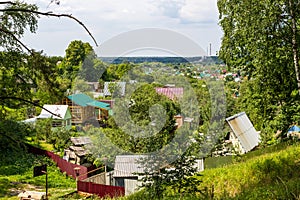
(262, 36)
(20, 66)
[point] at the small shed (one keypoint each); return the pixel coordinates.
(294, 131)
(77, 152)
(60, 115)
(244, 136)
(125, 169)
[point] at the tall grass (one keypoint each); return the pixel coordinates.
(267, 174)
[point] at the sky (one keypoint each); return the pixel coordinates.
(106, 19)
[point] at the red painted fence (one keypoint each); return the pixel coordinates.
(100, 190)
(63, 165)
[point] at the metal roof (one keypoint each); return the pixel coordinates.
(171, 93)
(58, 110)
(127, 165)
(99, 104)
(84, 100)
(244, 131)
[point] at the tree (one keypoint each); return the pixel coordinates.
(263, 37)
(20, 64)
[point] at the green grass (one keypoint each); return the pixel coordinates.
(16, 174)
(270, 173)
(267, 173)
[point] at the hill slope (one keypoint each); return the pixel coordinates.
(275, 174)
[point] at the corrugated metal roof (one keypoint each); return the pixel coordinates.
(127, 165)
(171, 93)
(244, 131)
(59, 110)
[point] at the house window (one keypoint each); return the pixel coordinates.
(57, 124)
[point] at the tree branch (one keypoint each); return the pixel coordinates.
(8, 2)
(52, 15)
(30, 102)
(19, 41)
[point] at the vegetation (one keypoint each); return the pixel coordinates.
(17, 175)
(260, 46)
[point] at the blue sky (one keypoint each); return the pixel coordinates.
(196, 19)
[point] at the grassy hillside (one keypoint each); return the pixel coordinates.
(268, 173)
(271, 173)
(16, 175)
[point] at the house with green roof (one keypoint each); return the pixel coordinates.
(85, 109)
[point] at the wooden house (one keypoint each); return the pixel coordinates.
(85, 108)
(60, 115)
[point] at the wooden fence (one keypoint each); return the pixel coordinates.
(100, 190)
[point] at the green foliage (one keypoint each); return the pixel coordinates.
(14, 24)
(43, 129)
(12, 135)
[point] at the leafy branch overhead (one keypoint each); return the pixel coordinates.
(16, 17)
(21, 68)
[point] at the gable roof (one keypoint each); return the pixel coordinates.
(127, 165)
(84, 100)
(170, 92)
(60, 110)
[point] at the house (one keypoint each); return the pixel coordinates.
(60, 115)
(77, 152)
(244, 137)
(85, 108)
(125, 169)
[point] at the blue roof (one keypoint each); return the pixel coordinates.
(294, 129)
(84, 100)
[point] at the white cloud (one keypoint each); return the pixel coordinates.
(199, 11)
(107, 18)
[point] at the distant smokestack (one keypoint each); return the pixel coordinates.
(210, 49)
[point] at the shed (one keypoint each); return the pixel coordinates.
(125, 169)
(294, 131)
(77, 152)
(62, 117)
(244, 133)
